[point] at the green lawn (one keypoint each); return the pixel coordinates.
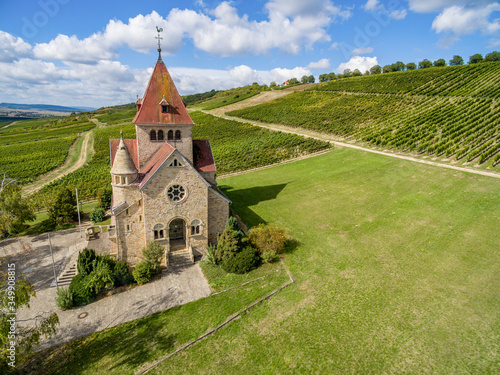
(397, 271)
(396, 267)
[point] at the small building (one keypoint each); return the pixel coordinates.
(164, 186)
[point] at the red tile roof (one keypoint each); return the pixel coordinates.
(131, 146)
(161, 85)
(146, 172)
(203, 159)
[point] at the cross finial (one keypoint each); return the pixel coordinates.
(159, 29)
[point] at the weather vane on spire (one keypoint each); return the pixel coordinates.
(159, 29)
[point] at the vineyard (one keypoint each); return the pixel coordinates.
(451, 113)
(235, 147)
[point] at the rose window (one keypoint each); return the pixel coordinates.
(176, 193)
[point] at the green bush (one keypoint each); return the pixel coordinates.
(152, 254)
(97, 215)
(82, 294)
(269, 256)
(101, 276)
(229, 242)
(244, 261)
(122, 275)
(86, 261)
(143, 272)
(210, 257)
(104, 198)
(64, 298)
(267, 238)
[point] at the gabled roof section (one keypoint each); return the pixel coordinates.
(161, 86)
(131, 146)
(203, 158)
(147, 172)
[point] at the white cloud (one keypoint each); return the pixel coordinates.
(243, 75)
(12, 48)
(291, 26)
(372, 5)
(427, 6)
(362, 51)
(398, 14)
(321, 64)
(461, 20)
(335, 45)
(281, 74)
(358, 62)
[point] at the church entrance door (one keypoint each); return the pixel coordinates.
(176, 233)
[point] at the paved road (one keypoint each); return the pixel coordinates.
(32, 256)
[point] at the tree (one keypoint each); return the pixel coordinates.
(272, 85)
(293, 81)
(456, 60)
(492, 56)
(104, 198)
(398, 66)
(375, 69)
(331, 76)
(347, 73)
(14, 210)
(387, 69)
(367, 73)
(424, 64)
(477, 58)
(440, 62)
(411, 66)
(16, 292)
(323, 77)
(229, 242)
(356, 73)
(152, 254)
(310, 79)
(64, 209)
(303, 79)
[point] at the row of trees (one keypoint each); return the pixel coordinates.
(400, 66)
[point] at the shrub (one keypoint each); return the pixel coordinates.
(122, 275)
(86, 261)
(100, 277)
(64, 298)
(97, 215)
(143, 272)
(104, 198)
(268, 238)
(82, 294)
(269, 256)
(210, 257)
(244, 261)
(229, 242)
(152, 254)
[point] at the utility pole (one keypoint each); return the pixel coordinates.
(53, 264)
(78, 209)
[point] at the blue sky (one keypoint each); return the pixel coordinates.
(99, 53)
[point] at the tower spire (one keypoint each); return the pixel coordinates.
(159, 29)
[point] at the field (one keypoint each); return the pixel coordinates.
(396, 269)
(451, 113)
(235, 146)
(31, 148)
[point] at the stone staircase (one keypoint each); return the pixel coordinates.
(180, 258)
(67, 276)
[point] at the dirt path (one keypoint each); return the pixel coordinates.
(67, 167)
(219, 112)
(6, 126)
(263, 97)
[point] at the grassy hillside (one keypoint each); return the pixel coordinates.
(396, 269)
(449, 112)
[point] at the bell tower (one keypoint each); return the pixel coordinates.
(162, 116)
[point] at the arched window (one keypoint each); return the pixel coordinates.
(177, 135)
(152, 135)
(159, 233)
(175, 163)
(170, 135)
(195, 227)
(160, 135)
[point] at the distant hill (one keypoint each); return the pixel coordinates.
(45, 107)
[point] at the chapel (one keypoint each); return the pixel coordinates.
(163, 182)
